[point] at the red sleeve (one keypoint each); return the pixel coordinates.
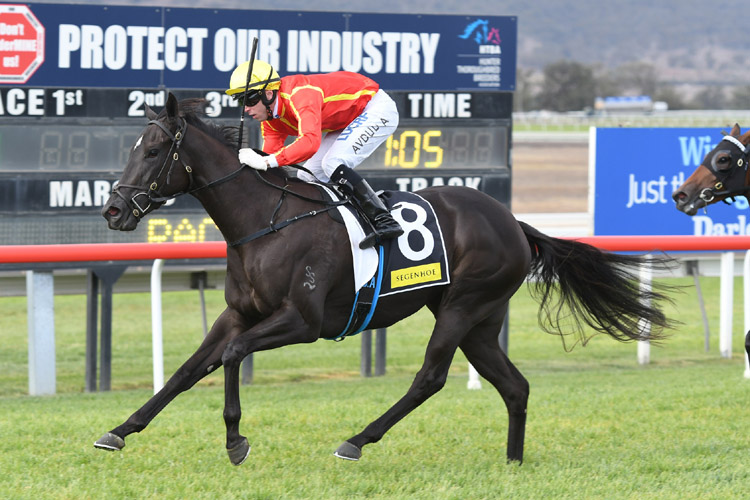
(306, 103)
(273, 140)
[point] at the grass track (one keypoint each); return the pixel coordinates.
(600, 426)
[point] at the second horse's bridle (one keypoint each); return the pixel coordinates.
(725, 177)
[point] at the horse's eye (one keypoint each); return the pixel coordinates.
(722, 163)
(152, 153)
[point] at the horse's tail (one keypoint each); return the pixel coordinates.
(580, 284)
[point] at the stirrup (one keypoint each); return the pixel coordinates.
(370, 240)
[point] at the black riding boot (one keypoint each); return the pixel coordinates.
(385, 227)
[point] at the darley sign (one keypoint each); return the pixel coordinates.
(151, 47)
(636, 170)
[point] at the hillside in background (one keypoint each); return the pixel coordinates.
(689, 41)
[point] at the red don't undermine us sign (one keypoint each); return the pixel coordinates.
(21, 43)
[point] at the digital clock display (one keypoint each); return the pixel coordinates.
(105, 148)
(70, 147)
(442, 147)
(66, 147)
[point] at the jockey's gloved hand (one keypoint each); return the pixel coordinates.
(249, 157)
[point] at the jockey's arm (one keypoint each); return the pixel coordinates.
(273, 141)
(307, 106)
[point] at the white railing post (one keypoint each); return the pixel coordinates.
(474, 382)
(40, 296)
(156, 325)
(644, 346)
(726, 299)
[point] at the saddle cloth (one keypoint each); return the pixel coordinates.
(416, 259)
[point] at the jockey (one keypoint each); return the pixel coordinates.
(338, 120)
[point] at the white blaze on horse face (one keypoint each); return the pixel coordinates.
(138, 143)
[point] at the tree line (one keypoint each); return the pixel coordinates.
(573, 86)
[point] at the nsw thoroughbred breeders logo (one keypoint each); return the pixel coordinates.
(483, 65)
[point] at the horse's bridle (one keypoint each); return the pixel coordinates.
(152, 192)
(727, 176)
(153, 196)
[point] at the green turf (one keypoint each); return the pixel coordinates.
(600, 425)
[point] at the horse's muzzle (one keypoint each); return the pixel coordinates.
(688, 204)
(119, 217)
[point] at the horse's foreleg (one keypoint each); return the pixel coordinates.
(429, 380)
(284, 327)
(205, 360)
(484, 353)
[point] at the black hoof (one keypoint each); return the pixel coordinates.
(110, 442)
(239, 453)
(348, 451)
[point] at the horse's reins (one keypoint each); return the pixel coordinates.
(273, 227)
(725, 176)
(153, 188)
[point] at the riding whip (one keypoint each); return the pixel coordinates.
(247, 86)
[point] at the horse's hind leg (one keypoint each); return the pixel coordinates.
(484, 353)
(449, 329)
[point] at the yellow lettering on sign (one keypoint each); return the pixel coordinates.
(416, 275)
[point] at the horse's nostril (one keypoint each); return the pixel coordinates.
(113, 211)
(679, 195)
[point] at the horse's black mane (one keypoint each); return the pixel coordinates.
(194, 109)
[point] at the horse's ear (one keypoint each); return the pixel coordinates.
(172, 107)
(735, 130)
(150, 113)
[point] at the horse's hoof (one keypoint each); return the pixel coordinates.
(239, 453)
(348, 451)
(110, 442)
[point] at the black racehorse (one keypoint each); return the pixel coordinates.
(490, 255)
(723, 174)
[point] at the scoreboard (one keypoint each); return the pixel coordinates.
(61, 149)
(75, 78)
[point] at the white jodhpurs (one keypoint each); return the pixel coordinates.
(357, 141)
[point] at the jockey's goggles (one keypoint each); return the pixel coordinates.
(250, 98)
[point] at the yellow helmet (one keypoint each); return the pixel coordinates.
(264, 77)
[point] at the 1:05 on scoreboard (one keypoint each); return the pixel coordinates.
(442, 147)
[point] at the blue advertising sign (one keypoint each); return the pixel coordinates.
(181, 48)
(637, 169)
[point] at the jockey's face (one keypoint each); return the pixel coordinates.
(257, 110)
